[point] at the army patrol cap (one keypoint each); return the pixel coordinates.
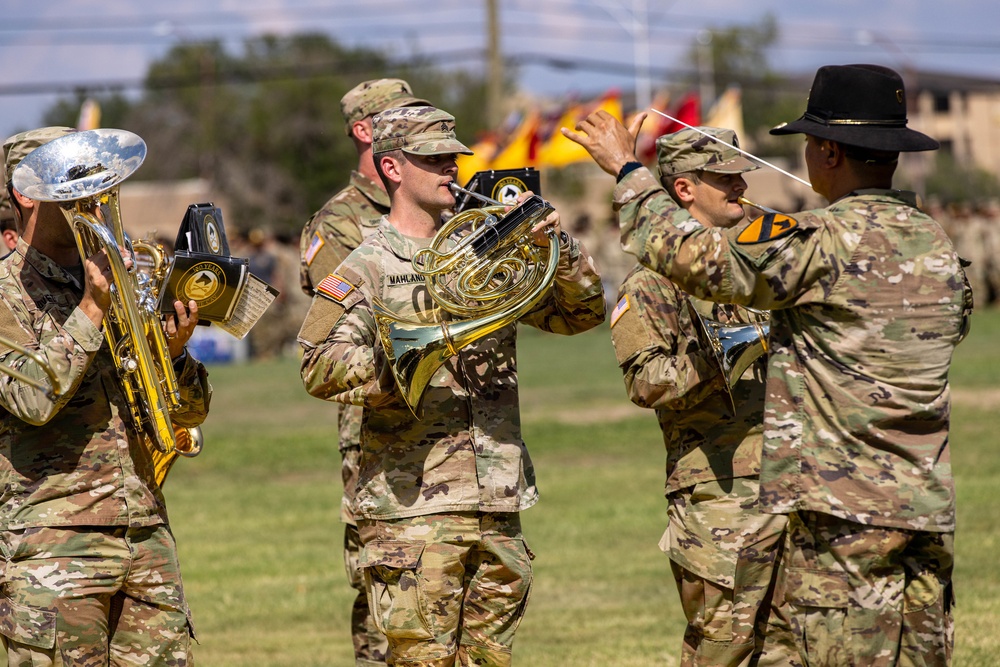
(690, 150)
(370, 97)
(419, 130)
(17, 147)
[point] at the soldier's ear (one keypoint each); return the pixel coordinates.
(362, 130)
(684, 187)
(390, 167)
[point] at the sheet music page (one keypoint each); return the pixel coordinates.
(256, 298)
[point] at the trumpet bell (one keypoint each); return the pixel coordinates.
(737, 346)
(79, 166)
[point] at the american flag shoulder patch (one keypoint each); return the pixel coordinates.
(315, 244)
(620, 309)
(334, 287)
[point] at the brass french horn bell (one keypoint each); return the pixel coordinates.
(481, 265)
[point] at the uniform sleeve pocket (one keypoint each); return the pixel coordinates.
(816, 588)
(27, 625)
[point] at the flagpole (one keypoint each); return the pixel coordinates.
(737, 148)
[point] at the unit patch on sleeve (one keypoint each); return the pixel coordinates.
(334, 287)
(315, 244)
(767, 227)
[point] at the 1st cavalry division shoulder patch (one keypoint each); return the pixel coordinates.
(334, 287)
(767, 227)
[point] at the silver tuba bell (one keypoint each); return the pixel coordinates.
(82, 172)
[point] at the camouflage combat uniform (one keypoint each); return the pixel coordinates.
(868, 301)
(330, 235)
(90, 565)
(438, 493)
(722, 548)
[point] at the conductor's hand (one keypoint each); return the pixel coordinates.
(609, 142)
(179, 327)
(97, 281)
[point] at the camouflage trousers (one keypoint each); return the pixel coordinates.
(447, 589)
(852, 594)
(370, 646)
(724, 555)
(91, 597)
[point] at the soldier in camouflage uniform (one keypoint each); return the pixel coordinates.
(351, 216)
(868, 301)
(89, 574)
(722, 548)
(438, 498)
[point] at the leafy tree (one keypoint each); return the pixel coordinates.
(953, 183)
(265, 124)
(739, 56)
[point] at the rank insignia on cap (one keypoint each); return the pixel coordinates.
(334, 287)
(315, 244)
(620, 309)
(767, 227)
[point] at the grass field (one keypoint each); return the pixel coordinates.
(256, 515)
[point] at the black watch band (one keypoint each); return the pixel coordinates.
(627, 169)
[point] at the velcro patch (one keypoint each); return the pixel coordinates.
(767, 227)
(334, 287)
(620, 309)
(315, 244)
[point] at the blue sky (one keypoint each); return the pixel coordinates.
(564, 46)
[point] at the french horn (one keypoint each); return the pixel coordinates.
(482, 267)
(82, 172)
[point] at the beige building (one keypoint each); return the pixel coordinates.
(155, 209)
(961, 112)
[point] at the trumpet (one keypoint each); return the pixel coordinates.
(493, 275)
(735, 347)
(82, 172)
(746, 202)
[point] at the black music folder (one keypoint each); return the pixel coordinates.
(202, 231)
(503, 185)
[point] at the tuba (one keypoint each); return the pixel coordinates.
(482, 267)
(152, 267)
(82, 171)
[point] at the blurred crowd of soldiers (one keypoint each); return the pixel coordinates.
(975, 230)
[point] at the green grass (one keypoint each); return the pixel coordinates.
(256, 515)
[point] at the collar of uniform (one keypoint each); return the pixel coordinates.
(43, 264)
(370, 189)
(907, 197)
(401, 246)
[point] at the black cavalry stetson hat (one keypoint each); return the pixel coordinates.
(859, 105)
